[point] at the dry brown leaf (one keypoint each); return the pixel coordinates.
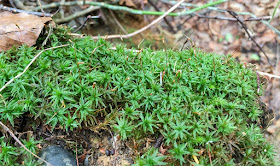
(18, 29)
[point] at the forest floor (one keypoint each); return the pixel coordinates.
(211, 30)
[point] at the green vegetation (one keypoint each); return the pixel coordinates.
(205, 105)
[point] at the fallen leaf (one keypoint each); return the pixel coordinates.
(18, 29)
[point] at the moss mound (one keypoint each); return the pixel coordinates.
(204, 105)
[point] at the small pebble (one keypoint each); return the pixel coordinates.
(107, 152)
(57, 156)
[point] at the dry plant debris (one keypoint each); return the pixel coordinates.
(18, 29)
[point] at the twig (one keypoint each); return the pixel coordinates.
(127, 9)
(24, 11)
(165, 20)
(61, 9)
(269, 75)
(77, 14)
(222, 10)
(88, 17)
(144, 28)
(48, 36)
(39, 2)
(12, 4)
(118, 23)
(21, 144)
(30, 64)
(77, 155)
(233, 19)
(246, 30)
(19, 4)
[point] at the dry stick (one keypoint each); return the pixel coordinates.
(9, 9)
(144, 28)
(165, 20)
(19, 4)
(41, 7)
(246, 30)
(30, 64)
(12, 4)
(77, 14)
(21, 144)
(88, 17)
(233, 19)
(118, 23)
(269, 75)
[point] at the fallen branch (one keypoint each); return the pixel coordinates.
(142, 29)
(127, 9)
(21, 144)
(30, 64)
(77, 14)
(14, 10)
(157, 20)
(233, 19)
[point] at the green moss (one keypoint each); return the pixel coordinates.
(198, 101)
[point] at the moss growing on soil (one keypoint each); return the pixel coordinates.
(204, 105)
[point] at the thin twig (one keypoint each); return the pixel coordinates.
(144, 28)
(42, 10)
(166, 21)
(246, 30)
(30, 64)
(127, 9)
(83, 24)
(88, 17)
(77, 14)
(12, 4)
(117, 21)
(269, 75)
(21, 144)
(77, 160)
(233, 19)
(9, 9)
(19, 4)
